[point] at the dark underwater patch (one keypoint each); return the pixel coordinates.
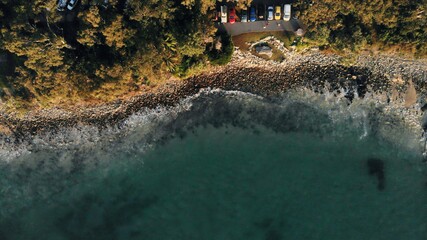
(376, 168)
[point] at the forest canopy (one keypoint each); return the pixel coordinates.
(105, 49)
(99, 46)
(357, 23)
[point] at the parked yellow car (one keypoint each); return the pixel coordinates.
(277, 13)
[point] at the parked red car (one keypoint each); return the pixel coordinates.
(232, 16)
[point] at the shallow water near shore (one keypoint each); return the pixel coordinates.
(292, 172)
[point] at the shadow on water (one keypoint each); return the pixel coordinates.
(376, 168)
(110, 215)
(273, 234)
(2, 236)
(268, 226)
(265, 223)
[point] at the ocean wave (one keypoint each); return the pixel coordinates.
(326, 113)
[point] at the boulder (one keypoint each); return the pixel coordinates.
(266, 50)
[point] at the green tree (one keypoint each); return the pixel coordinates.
(116, 33)
(89, 33)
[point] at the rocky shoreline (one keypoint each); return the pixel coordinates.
(398, 82)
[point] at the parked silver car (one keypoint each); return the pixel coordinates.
(287, 12)
(270, 13)
(244, 17)
(61, 5)
(224, 14)
(72, 4)
(105, 4)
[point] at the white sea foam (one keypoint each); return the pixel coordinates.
(142, 129)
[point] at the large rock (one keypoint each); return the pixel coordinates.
(265, 50)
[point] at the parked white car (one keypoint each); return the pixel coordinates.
(224, 14)
(287, 12)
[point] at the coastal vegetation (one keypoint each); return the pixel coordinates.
(358, 24)
(101, 52)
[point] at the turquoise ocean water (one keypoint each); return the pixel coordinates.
(227, 168)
